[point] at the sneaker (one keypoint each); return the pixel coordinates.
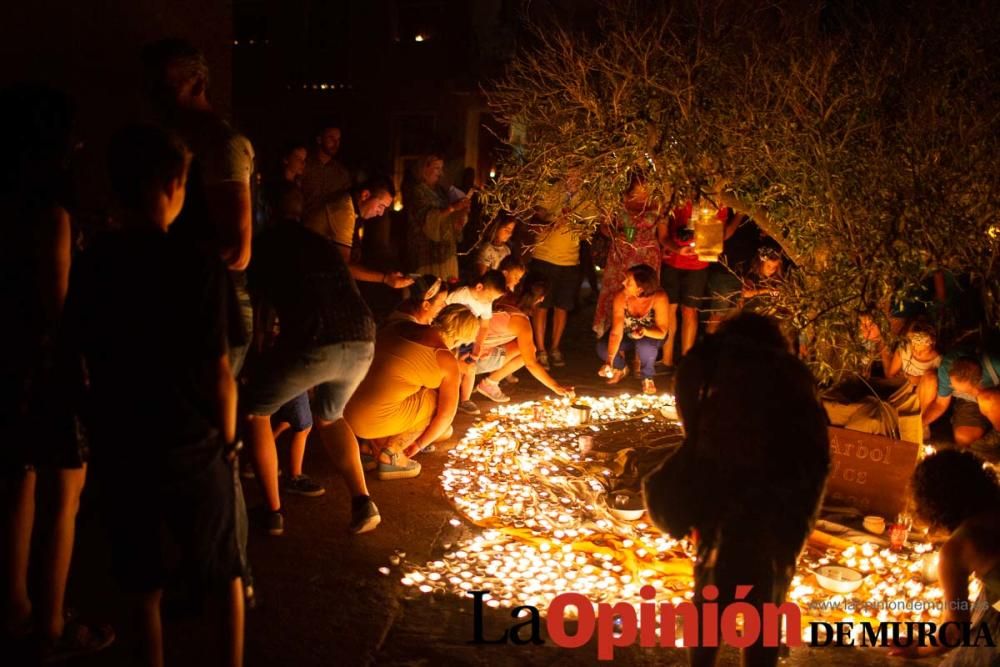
(543, 360)
(273, 523)
(648, 386)
(492, 391)
(393, 470)
(364, 518)
(468, 407)
(77, 640)
(303, 485)
(557, 358)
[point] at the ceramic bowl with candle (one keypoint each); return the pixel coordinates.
(839, 579)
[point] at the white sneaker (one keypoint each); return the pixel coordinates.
(492, 391)
(557, 358)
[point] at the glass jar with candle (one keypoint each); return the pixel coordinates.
(709, 234)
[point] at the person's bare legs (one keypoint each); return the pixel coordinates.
(558, 327)
(539, 320)
(264, 455)
(151, 635)
(297, 451)
(234, 629)
(670, 342)
(514, 363)
(689, 328)
(279, 429)
(342, 448)
(468, 382)
(20, 521)
(70, 486)
(927, 390)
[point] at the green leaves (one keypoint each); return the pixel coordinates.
(865, 143)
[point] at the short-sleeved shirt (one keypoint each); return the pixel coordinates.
(679, 219)
(463, 295)
(989, 362)
(321, 182)
(220, 155)
(148, 312)
(559, 245)
(914, 367)
(340, 215)
(491, 255)
(303, 276)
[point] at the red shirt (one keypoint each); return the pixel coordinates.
(678, 220)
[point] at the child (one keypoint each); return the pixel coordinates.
(491, 254)
(513, 270)
(479, 299)
(148, 311)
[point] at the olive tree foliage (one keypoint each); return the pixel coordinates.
(863, 139)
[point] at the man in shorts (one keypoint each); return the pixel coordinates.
(969, 382)
(684, 278)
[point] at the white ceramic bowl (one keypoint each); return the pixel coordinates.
(839, 579)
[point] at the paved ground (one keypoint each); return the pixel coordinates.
(324, 602)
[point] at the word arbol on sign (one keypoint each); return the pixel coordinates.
(869, 472)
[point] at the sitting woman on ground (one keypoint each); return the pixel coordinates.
(917, 361)
(953, 490)
(410, 395)
(427, 297)
(638, 321)
(510, 346)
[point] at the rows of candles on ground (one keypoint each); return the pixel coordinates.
(543, 526)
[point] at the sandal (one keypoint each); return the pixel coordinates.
(393, 470)
(617, 375)
(369, 461)
(78, 639)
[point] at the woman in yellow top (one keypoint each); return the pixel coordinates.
(410, 395)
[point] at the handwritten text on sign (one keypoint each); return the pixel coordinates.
(870, 472)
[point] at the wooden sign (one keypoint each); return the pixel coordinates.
(870, 472)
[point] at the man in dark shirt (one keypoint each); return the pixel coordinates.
(325, 176)
(326, 342)
(750, 474)
(217, 215)
(147, 310)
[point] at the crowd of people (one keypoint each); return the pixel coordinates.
(210, 319)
